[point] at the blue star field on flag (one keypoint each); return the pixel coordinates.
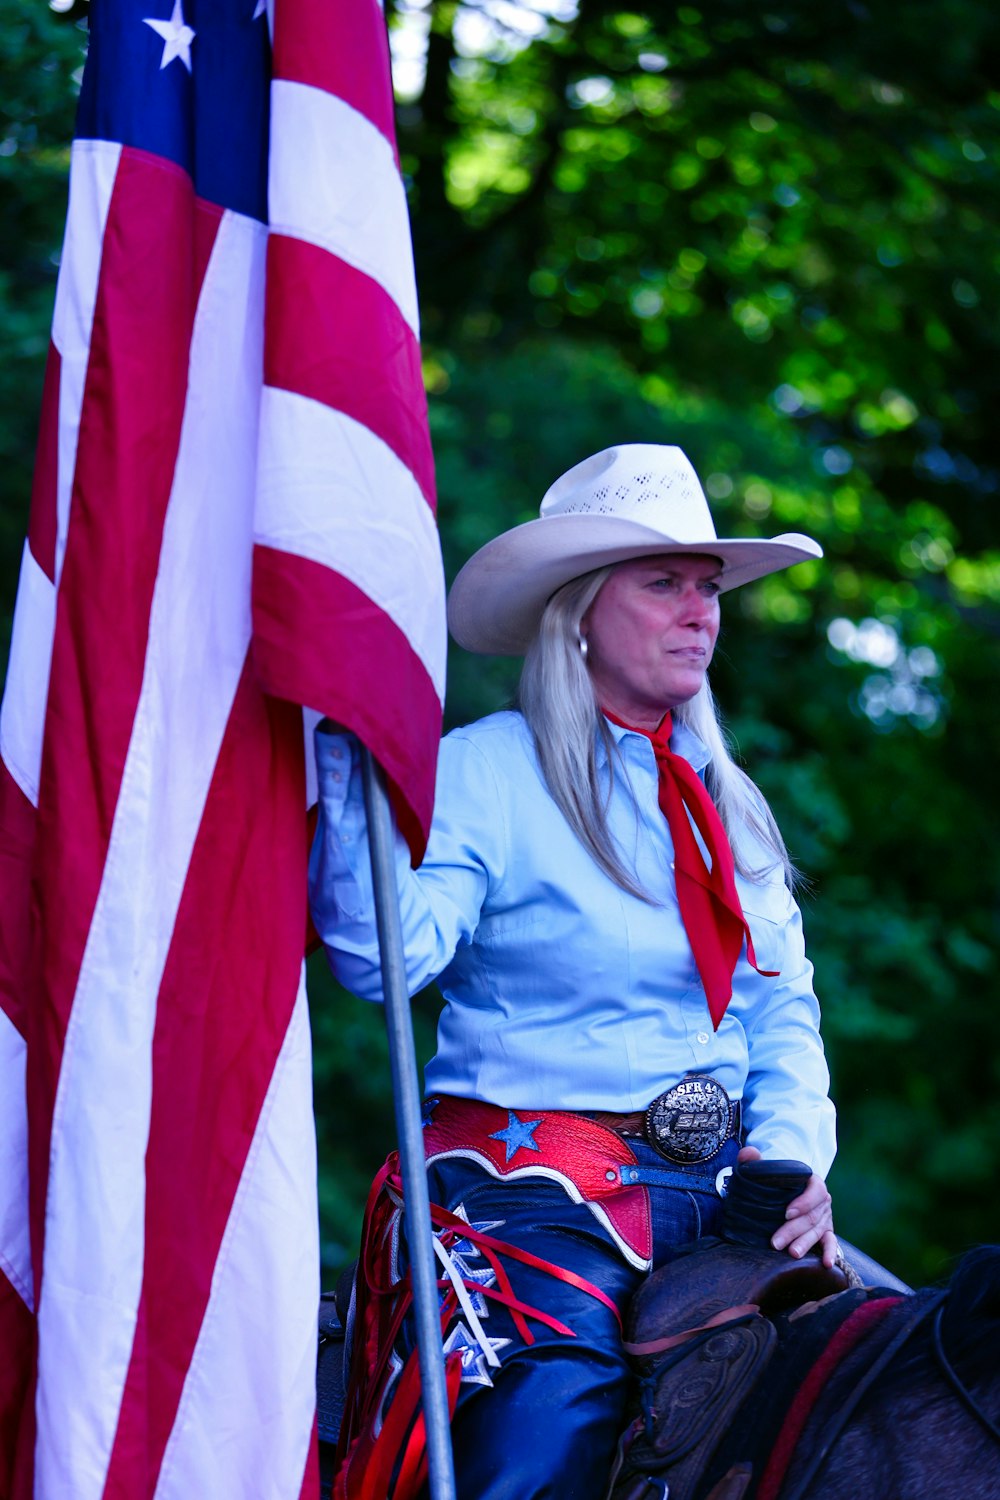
(189, 81)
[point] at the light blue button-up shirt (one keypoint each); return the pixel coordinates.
(562, 991)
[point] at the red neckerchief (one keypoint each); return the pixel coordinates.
(707, 896)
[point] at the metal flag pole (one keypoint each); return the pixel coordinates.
(409, 1130)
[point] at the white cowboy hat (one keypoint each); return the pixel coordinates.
(631, 501)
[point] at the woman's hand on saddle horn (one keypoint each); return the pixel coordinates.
(808, 1218)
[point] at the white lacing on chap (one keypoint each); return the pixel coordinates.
(465, 1302)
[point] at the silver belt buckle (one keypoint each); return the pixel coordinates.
(691, 1121)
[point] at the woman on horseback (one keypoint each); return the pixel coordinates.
(605, 904)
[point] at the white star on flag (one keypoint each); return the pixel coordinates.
(177, 37)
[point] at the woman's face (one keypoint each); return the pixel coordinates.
(650, 634)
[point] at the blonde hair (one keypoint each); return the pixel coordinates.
(556, 697)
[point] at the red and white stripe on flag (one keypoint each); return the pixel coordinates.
(211, 548)
(345, 512)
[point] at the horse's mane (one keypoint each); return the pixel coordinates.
(972, 1310)
(968, 1322)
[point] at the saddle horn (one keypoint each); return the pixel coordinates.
(757, 1196)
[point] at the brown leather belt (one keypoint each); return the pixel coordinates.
(630, 1126)
(688, 1123)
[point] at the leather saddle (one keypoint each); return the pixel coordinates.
(701, 1334)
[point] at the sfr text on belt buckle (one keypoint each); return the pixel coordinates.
(691, 1121)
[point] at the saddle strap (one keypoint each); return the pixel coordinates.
(674, 1340)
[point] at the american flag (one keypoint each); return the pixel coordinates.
(232, 520)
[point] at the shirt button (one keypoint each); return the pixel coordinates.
(337, 776)
(703, 1038)
(337, 753)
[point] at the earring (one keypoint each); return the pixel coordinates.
(581, 641)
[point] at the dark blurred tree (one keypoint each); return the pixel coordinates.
(767, 231)
(40, 61)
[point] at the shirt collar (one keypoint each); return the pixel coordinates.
(683, 741)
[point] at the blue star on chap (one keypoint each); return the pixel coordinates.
(462, 1251)
(519, 1134)
(475, 1368)
(427, 1108)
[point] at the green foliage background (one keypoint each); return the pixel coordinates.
(766, 231)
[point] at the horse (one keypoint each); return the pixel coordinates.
(862, 1394)
(763, 1378)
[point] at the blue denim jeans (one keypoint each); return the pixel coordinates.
(545, 1425)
